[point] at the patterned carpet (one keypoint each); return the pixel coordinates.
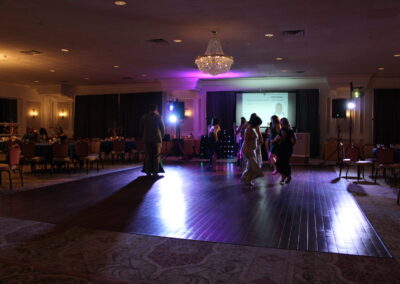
(34, 252)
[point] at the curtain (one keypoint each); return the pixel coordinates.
(307, 117)
(96, 116)
(110, 115)
(133, 107)
(386, 116)
(222, 105)
(8, 110)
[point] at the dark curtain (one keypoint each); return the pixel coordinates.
(8, 110)
(386, 116)
(133, 107)
(222, 105)
(307, 117)
(96, 116)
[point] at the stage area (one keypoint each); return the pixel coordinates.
(313, 213)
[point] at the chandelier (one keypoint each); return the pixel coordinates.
(214, 61)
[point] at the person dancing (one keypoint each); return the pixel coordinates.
(152, 127)
(239, 131)
(273, 152)
(213, 141)
(252, 170)
(259, 143)
(286, 139)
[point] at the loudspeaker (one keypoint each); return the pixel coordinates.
(339, 108)
(177, 108)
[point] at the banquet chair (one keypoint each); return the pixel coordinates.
(95, 148)
(385, 161)
(138, 151)
(83, 155)
(351, 158)
(347, 158)
(368, 156)
(13, 165)
(28, 156)
(60, 156)
(118, 150)
(398, 197)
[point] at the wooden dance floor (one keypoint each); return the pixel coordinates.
(312, 213)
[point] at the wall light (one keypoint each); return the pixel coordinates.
(188, 113)
(351, 105)
(62, 114)
(34, 113)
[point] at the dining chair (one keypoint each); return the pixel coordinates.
(138, 151)
(13, 165)
(385, 161)
(348, 157)
(118, 150)
(28, 156)
(95, 148)
(60, 156)
(83, 155)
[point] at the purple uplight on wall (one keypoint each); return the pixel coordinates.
(200, 75)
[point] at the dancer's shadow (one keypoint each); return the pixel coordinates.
(117, 211)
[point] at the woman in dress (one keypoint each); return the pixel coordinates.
(267, 135)
(259, 143)
(239, 131)
(213, 141)
(273, 152)
(286, 139)
(252, 170)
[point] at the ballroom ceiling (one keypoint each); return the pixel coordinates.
(333, 37)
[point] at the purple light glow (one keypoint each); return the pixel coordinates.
(197, 74)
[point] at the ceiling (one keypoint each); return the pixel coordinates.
(341, 37)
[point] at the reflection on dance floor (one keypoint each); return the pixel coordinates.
(193, 202)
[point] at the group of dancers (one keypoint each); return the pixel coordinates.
(279, 142)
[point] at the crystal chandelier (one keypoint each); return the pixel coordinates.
(214, 61)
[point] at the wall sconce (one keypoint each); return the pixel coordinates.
(34, 113)
(62, 114)
(188, 113)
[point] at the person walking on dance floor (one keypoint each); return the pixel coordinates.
(286, 139)
(213, 141)
(152, 127)
(273, 151)
(252, 170)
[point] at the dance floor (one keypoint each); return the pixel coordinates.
(312, 213)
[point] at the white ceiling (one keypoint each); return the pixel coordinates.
(341, 37)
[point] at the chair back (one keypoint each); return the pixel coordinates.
(342, 154)
(367, 151)
(352, 153)
(118, 146)
(139, 145)
(60, 150)
(14, 155)
(28, 150)
(95, 147)
(385, 155)
(82, 149)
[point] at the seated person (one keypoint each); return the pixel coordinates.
(30, 135)
(59, 133)
(43, 137)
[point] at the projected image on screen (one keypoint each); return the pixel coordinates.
(265, 105)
